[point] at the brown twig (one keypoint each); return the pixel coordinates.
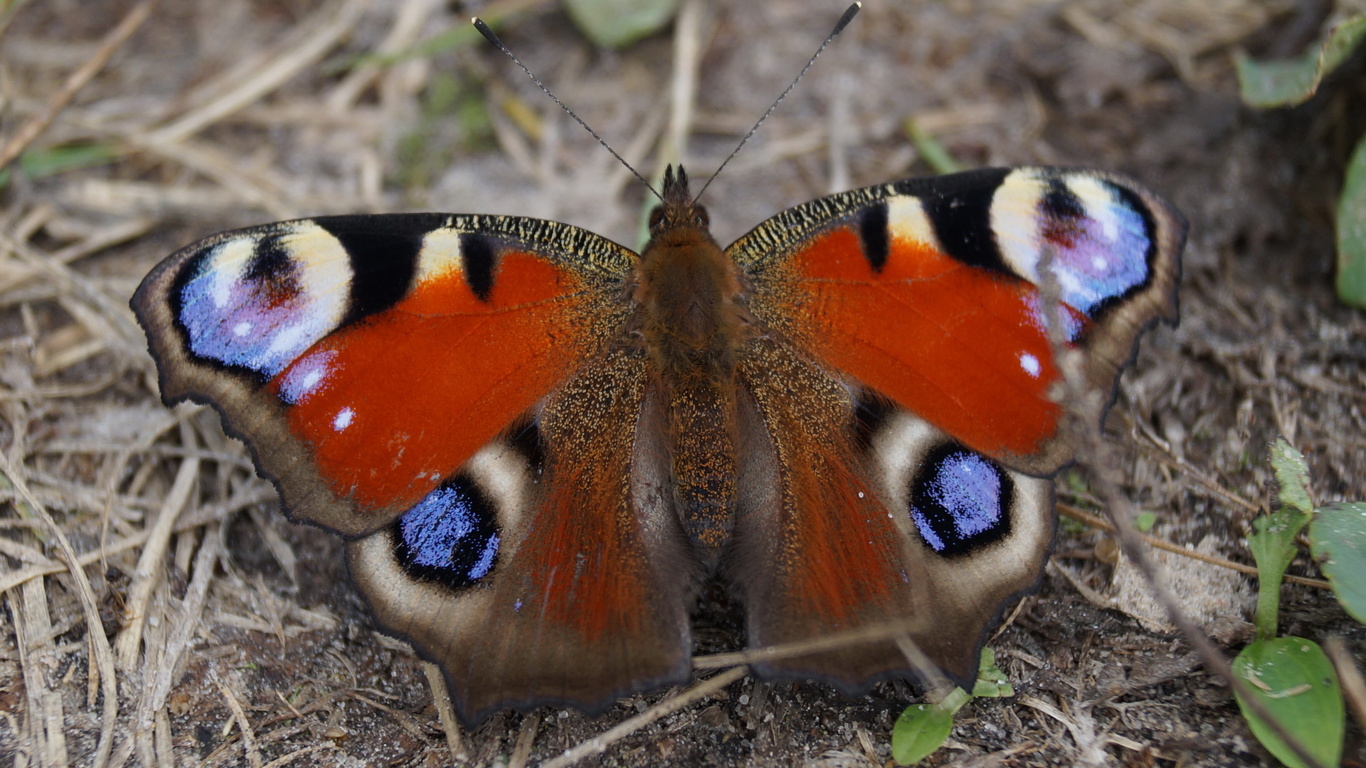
(1353, 685)
(1095, 521)
(1166, 456)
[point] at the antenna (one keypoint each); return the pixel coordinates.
(492, 38)
(847, 17)
(843, 22)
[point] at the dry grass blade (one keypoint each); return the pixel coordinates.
(159, 678)
(121, 327)
(521, 752)
(111, 43)
(873, 633)
(104, 238)
(280, 762)
(1349, 674)
(318, 37)
(99, 643)
(445, 712)
(683, 85)
(256, 189)
(243, 725)
(149, 568)
(1165, 455)
(205, 516)
(410, 22)
(33, 631)
(1088, 741)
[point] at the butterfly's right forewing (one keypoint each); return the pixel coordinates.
(365, 358)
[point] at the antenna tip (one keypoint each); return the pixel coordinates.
(485, 31)
(846, 18)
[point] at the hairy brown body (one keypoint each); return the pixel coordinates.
(693, 322)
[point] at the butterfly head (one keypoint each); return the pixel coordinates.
(677, 212)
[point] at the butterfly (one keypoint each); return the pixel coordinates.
(539, 443)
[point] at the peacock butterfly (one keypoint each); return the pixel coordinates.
(539, 442)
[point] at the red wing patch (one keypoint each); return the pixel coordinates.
(963, 346)
(393, 404)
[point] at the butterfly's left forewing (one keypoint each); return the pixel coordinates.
(910, 426)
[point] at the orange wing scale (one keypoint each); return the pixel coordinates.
(841, 577)
(961, 345)
(387, 440)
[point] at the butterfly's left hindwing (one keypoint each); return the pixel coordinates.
(880, 523)
(364, 359)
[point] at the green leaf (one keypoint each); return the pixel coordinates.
(1144, 521)
(1289, 82)
(618, 23)
(1076, 482)
(66, 158)
(50, 161)
(1295, 682)
(991, 683)
(921, 729)
(1351, 230)
(1338, 539)
(1272, 542)
(1292, 477)
(931, 151)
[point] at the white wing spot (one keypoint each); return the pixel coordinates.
(1100, 263)
(1030, 364)
(344, 418)
(241, 329)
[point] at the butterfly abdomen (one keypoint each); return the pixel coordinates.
(691, 334)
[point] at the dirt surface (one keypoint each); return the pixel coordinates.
(234, 637)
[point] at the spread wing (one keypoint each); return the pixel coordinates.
(449, 391)
(906, 467)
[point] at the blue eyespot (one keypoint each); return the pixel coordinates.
(1099, 244)
(960, 500)
(451, 536)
